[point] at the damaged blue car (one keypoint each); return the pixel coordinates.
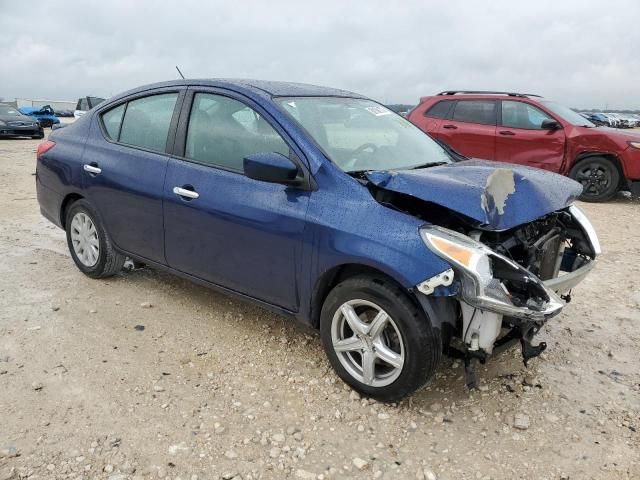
(45, 115)
(326, 206)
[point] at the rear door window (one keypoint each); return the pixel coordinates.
(439, 110)
(147, 120)
(475, 111)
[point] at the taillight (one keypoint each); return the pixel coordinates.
(44, 147)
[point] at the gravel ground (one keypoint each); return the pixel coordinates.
(148, 376)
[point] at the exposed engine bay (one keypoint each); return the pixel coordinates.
(544, 247)
(516, 281)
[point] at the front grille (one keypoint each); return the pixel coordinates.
(23, 132)
(19, 123)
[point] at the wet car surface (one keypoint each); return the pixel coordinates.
(325, 206)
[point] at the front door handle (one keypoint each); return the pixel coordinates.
(506, 132)
(93, 169)
(183, 192)
(450, 127)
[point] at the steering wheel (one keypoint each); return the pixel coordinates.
(364, 147)
(356, 153)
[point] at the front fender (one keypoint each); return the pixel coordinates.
(351, 227)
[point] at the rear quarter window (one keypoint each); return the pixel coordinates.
(439, 110)
(112, 119)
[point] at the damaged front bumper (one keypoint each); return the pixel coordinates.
(564, 283)
(488, 281)
(500, 302)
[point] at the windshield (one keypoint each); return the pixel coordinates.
(358, 134)
(567, 114)
(7, 110)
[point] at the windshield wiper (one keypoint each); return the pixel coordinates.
(453, 153)
(427, 165)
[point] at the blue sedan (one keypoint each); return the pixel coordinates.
(326, 206)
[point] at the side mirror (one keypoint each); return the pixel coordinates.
(271, 167)
(550, 125)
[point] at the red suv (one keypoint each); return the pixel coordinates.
(529, 130)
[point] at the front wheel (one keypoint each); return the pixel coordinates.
(599, 178)
(89, 243)
(377, 339)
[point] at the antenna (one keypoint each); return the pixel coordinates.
(180, 72)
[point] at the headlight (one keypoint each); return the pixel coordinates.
(588, 229)
(491, 281)
(635, 144)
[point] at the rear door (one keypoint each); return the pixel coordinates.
(470, 128)
(522, 140)
(228, 229)
(125, 162)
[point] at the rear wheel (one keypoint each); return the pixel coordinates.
(377, 339)
(599, 178)
(89, 243)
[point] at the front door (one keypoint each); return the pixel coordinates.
(521, 139)
(222, 226)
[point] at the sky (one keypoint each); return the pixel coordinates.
(584, 54)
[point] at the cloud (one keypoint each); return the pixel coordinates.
(581, 53)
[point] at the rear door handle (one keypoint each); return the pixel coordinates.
(92, 169)
(450, 127)
(506, 132)
(183, 192)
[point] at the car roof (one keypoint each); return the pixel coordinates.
(265, 88)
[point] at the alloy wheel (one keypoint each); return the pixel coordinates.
(367, 343)
(594, 177)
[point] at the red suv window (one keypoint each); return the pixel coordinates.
(439, 110)
(522, 115)
(475, 111)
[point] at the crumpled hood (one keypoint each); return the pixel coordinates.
(499, 196)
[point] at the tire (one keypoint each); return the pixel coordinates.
(599, 177)
(407, 333)
(101, 260)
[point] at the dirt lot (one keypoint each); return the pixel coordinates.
(148, 376)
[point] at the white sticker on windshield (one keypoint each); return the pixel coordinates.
(378, 110)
